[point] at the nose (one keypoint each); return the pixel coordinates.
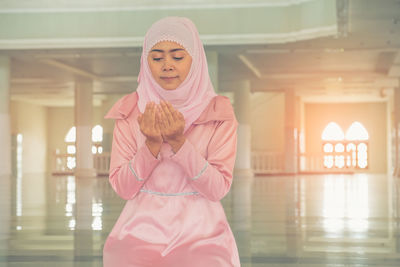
(168, 65)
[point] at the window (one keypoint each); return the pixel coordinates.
(357, 138)
(333, 146)
(70, 138)
(97, 138)
(71, 150)
(348, 150)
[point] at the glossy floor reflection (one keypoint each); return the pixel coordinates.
(307, 220)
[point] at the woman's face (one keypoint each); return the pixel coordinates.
(169, 64)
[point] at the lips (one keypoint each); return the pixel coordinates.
(169, 78)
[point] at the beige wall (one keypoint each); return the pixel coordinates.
(267, 121)
(371, 115)
(61, 119)
(30, 121)
(44, 130)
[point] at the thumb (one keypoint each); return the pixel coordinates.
(140, 117)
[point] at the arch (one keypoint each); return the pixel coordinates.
(357, 132)
(333, 132)
(97, 133)
(70, 137)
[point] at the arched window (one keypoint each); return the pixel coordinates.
(97, 138)
(348, 150)
(332, 132)
(357, 146)
(333, 146)
(70, 138)
(71, 150)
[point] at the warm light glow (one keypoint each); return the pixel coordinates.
(19, 176)
(71, 149)
(350, 152)
(71, 201)
(71, 162)
(328, 161)
(328, 148)
(71, 135)
(346, 204)
(339, 161)
(97, 136)
(332, 132)
(357, 132)
(97, 133)
(339, 147)
(97, 213)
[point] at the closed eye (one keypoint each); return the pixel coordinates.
(159, 58)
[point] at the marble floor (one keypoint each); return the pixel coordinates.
(304, 220)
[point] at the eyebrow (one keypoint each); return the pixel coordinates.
(162, 51)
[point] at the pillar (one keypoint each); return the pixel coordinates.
(83, 122)
(5, 156)
(397, 130)
(242, 110)
(243, 174)
(5, 132)
(212, 62)
(291, 128)
(83, 234)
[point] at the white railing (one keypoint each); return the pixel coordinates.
(264, 162)
(314, 163)
(311, 162)
(101, 162)
(60, 164)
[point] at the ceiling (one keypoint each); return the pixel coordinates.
(360, 63)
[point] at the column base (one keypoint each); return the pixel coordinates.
(85, 173)
(243, 173)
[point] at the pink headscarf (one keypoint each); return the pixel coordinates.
(193, 95)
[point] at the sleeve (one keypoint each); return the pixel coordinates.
(129, 167)
(211, 177)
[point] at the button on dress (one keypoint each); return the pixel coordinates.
(173, 216)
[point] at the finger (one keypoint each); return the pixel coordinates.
(167, 113)
(157, 124)
(163, 123)
(152, 109)
(146, 110)
(173, 111)
(163, 118)
(180, 116)
(159, 113)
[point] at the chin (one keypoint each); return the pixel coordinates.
(169, 87)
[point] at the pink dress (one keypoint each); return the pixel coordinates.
(173, 215)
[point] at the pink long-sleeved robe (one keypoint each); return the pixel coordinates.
(173, 216)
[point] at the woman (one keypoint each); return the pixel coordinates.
(172, 159)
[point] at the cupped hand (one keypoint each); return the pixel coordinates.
(171, 122)
(149, 125)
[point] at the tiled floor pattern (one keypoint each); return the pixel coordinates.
(303, 221)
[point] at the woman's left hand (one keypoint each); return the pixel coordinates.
(172, 124)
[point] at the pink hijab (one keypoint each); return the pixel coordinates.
(194, 94)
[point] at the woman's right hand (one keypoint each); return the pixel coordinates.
(148, 124)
